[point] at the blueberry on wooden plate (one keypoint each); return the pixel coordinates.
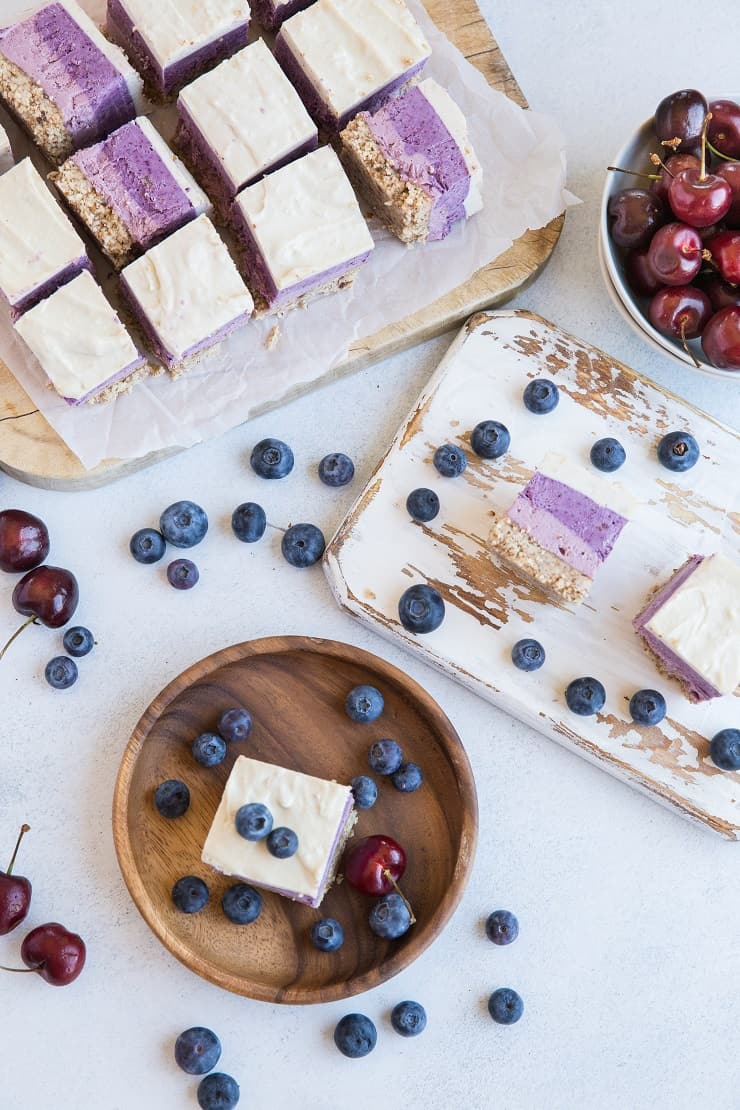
(541, 396)
(422, 505)
(490, 439)
(450, 461)
(241, 903)
(678, 451)
(190, 894)
(364, 704)
(421, 609)
(585, 696)
(172, 798)
(327, 935)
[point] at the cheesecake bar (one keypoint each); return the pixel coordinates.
(556, 537)
(691, 627)
(81, 344)
(64, 81)
(272, 13)
(130, 191)
(300, 232)
(242, 120)
(321, 814)
(347, 56)
(171, 42)
(39, 248)
(6, 151)
(413, 163)
(186, 294)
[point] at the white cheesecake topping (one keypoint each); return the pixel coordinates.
(6, 153)
(175, 29)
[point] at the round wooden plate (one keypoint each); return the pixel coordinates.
(295, 689)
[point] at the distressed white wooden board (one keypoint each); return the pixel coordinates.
(378, 551)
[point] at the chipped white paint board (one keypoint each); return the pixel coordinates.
(378, 551)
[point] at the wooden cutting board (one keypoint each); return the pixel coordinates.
(31, 451)
(378, 552)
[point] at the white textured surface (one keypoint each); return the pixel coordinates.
(628, 957)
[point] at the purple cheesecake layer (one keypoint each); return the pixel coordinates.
(91, 95)
(659, 598)
(554, 536)
(272, 15)
(41, 292)
(597, 527)
(75, 402)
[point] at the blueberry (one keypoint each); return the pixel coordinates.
(364, 703)
(197, 1050)
(147, 545)
(505, 1006)
(282, 843)
(502, 927)
(183, 524)
(78, 641)
(190, 894)
(647, 707)
(725, 749)
(327, 935)
(385, 757)
(528, 655)
(541, 396)
(303, 545)
(253, 821)
(336, 469)
(421, 609)
(585, 696)
(209, 749)
(409, 1018)
(61, 672)
(423, 505)
(235, 725)
(242, 904)
(390, 917)
(407, 778)
(248, 522)
(272, 458)
(678, 451)
(182, 574)
(218, 1092)
(364, 791)
(172, 798)
(450, 460)
(355, 1036)
(608, 455)
(490, 440)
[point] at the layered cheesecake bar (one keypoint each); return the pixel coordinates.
(321, 814)
(172, 41)
(347, 56)
(556, 537)
(6, 151)
(242, 120)
(81, 344)
(186, 294)
(64, 81)
(130, 191)
(39, 248)
(413, 163)
(300, 232)
(272, 13)
(691, 626)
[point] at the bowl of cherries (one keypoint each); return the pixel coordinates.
(669, 239)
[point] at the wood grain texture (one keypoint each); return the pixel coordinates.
(295, 689)
(31, 451)
(378, 551)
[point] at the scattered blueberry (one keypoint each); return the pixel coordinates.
(364, 791)
(327, 935)
(423, 505)
(209, 749)
(502, 927)
(282, 843)
(218, 1092)
(147, 546)
(678, 451)
(182, 574)
(78, 641)
(253, 821)
(248, 522)
(272, 458)
(421, 609)
(303, 545)
(585, 696)
(541, 396)
(390, 917)
(197, 1050)
(450, 460)
(647, 707)
(336, 469)
(528, 655)
(409, 1018)
(407, 778)
(183, 524)
(172, 798)
(242, 904)
(190, 894)
(61, 672)
(364, 704)
(355, 1036)
(725, 749)
(505, 1006)
(235, 725)
(608, 455)
(385, 757)
(490, 440)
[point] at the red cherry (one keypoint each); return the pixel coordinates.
(639, 273)
(15, 893)
(699, 200)
(48, 593)
(724, 128)
(374, 865)
(721, 339)
(634, 215)
(720, 292)
(668, 171)
(680, 311)
(731, 173)
(55, 953)
(24, 540)
(725, 251)
(675, 254)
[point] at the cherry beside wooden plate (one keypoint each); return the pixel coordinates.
(295, 688)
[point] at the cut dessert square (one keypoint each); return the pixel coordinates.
(242, 120)
(345, 56)
(81, 344)
(300, 231)
(64, 81)
(272, 13)
(39, 248)
(556, 537)
(130, 190)
(413, 162)
(172, 41)
(321, 814)
(6, 151)
(691, 626)
(187, 294)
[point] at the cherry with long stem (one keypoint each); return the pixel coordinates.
(16, 634)
(400, 894)
(24, 829)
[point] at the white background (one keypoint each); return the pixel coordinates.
(629, 954)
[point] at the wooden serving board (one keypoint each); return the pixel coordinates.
(31, 451)
(378, 552)
(295, 689)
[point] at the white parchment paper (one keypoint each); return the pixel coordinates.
(524, 165)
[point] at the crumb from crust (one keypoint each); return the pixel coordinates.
(125, 385)
(90, 207)
(344, 281)
(38, 114)
(516, 549)
(273, 337)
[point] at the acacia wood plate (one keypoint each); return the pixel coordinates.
(295, 688)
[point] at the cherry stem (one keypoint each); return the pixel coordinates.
(707, 120)
(31, 620)
(657, 161)
(674, 144)
(21, 834)
(707, 257)
(400, 893)
(719, 154)
(20, 970)
(634, 173)
(686, 347)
